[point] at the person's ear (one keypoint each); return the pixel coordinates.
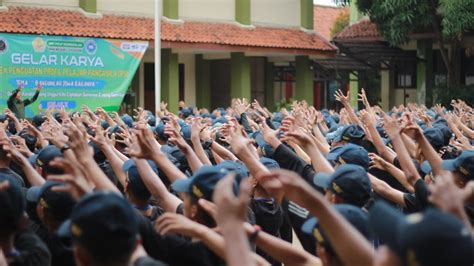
(193, 211)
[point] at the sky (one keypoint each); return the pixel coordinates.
(324, 2)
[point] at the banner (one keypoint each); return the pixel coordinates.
(73, 71)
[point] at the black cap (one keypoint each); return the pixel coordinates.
(354, 215)
(12, 206)
(38, 120)
(104, 223)
(59, 204)
(463, 164)
(349, 181)
(350, 153)
(430, 238)
(45, 156)
(351, 133)
(202, 183)
(134, 180)
(127, 120)
(435, 137)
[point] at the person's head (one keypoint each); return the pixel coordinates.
(349, 134)
(430, 238)
(104, 230)
(44, 157)
(349, 184)
(435, 137)
(349, 153)
(135, 189)
(199, 186)
(324, 250)
(52, 208)
(12, 208)
(462, 168)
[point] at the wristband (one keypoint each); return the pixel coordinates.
(65, 148)
(254, 235)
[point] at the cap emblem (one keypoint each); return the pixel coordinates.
(463, 170)
(197, 192)
(75, 230)
(336, 188)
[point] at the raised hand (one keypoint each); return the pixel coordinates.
(376, 162)
(299, 137)
(147, 144)
(343, 99)
(173, 223)
(74, 180)
(363, 98)
(231, 208)
(391, 126)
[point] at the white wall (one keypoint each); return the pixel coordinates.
(207, 10)
(188, 60)
(48, 3)
(276, 12)
(143, 8)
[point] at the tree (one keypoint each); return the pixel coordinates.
(448, 20)
(341, 22)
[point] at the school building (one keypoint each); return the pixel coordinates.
(212, 50)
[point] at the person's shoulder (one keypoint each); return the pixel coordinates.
(147, 261)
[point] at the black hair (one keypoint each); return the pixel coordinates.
(202, 216)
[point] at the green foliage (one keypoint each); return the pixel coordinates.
(341, 22)
(458, 17)
(445, 95)
(284, 104)
(397, 19)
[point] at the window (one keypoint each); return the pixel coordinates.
(406, 75)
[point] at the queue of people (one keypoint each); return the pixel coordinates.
(237, 185)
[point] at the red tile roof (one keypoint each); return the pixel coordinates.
(74, 23)
(324, 18)
(363, 29)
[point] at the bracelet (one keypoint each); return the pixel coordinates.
(254, 234)
(65, 148)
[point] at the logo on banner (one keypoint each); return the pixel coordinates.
(3, 45)
(39, 45)
(91, 47)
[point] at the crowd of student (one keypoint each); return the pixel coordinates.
(229, 187)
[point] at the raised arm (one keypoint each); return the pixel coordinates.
(379, 144)
(153, 183)
(406, 163)
(196, 128)
(351, 247)
(35, 97)
(149, 148)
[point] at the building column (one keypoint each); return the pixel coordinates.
(306, 14)
(240, 82)
(354, 13)
(203, 82)
(269, 86)
(170, 79)
(354, 88)
(89, 6)
(170, 9)
(424, 72)
(304, 80)
(385, 89)
(242, 12)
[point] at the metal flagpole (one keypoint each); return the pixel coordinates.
(157, 55)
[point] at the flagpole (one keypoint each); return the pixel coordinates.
(157, 55)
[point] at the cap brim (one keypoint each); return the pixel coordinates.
(127, 165)
(309, 225)
(32, 159)
(385, 221)
(322, 180)
(449, 165)
(64, 229)
(182, 185)
(426, 167)
(33, 194)
(332, 156)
